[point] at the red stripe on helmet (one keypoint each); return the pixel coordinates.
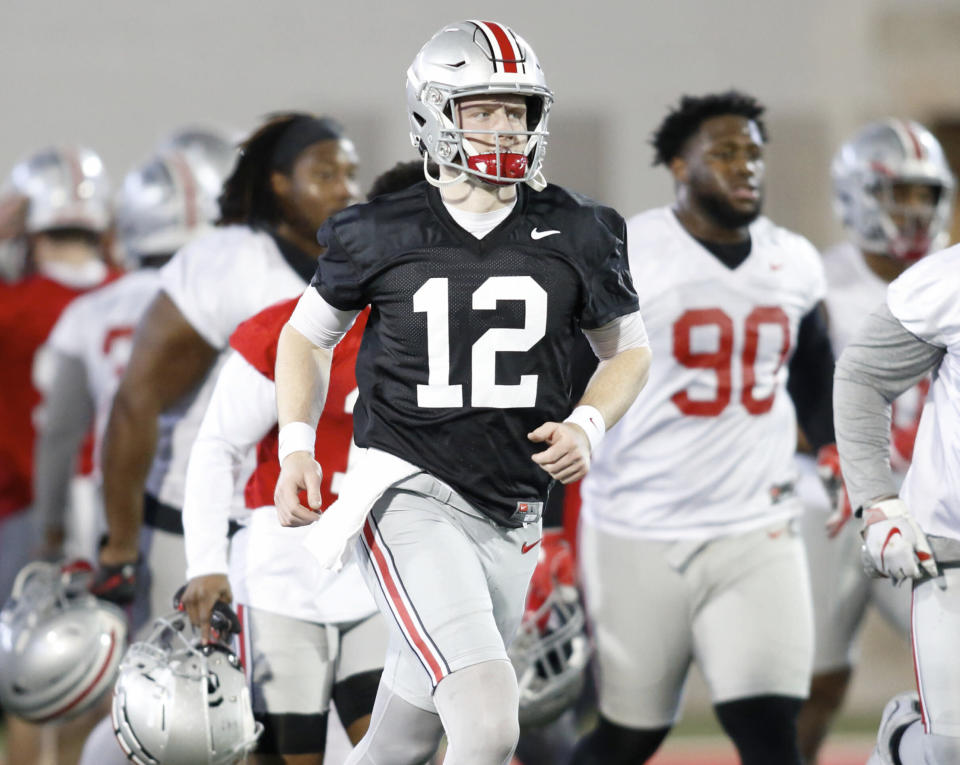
(93, 683)
(187, 181)
(507, 57)
(917, 146)
(72, 156)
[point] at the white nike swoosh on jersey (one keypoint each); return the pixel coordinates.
(540, 234)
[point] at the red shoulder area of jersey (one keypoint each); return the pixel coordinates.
(28, 310)
(256, 338)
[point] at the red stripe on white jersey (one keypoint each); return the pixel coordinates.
(403, 611)
(504, 52)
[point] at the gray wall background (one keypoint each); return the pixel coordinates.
(119, 74)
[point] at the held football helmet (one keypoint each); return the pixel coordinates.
(67, 188)
(166, 202)
(551, 649)
(866, 171)
(59, 646)
(178, 702)
(474, 58)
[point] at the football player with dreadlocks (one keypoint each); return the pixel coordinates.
(689, 548)
(293, 172)
(477, 281)
(893, 192)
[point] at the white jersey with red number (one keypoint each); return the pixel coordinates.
(216, 282)
(707, 448)
(97, 330)
(926, 301)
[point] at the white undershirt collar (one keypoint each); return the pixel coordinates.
(479, 223)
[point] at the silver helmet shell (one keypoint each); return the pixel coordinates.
(473, 58)
(60, 647)
(211, 154)
(165, 203)
(177, 702)
(67, 187)
(865, 171)
(551, 649)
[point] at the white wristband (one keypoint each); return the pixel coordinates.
(590, 419)
(296, 437)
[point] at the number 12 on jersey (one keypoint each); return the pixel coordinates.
(433, 299)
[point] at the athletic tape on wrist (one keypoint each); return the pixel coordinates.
(296, 437)
(590, 419)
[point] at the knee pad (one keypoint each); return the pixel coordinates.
(479, 707)
(612, 744)
(763, 728)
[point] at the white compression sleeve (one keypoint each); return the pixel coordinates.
(319, 322)
(621, 334)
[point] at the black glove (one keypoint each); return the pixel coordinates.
(116, 584)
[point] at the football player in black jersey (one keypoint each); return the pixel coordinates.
(478, 279)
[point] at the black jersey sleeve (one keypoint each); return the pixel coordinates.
(609, 287)
(336, 277)
(810, 383)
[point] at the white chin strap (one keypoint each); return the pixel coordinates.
(437, 182)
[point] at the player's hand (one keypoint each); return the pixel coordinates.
(300, 471)
(828, 470)
(199, 597)
(567, 456)
(895, 543)
(116, 583)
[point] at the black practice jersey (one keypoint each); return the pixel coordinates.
(469, 341)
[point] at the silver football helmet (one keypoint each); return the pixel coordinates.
(551, 649)
(472, 58)
(165, 203)
(178, 702)
(67, 187)
(212, 154)
(866, 171)
(59, 645)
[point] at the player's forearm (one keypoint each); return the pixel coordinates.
(617, 382)
(302, 376)
(128, 447)
(68, 412)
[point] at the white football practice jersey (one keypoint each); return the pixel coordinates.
(97, 329)
(216, 281)
(853, 292)
(707, 448)
(926, 301)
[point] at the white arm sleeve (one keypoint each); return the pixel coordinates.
(241, 412)
(621, 334)
(319, 322)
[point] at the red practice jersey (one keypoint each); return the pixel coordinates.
(28, 311)
(256, 340)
